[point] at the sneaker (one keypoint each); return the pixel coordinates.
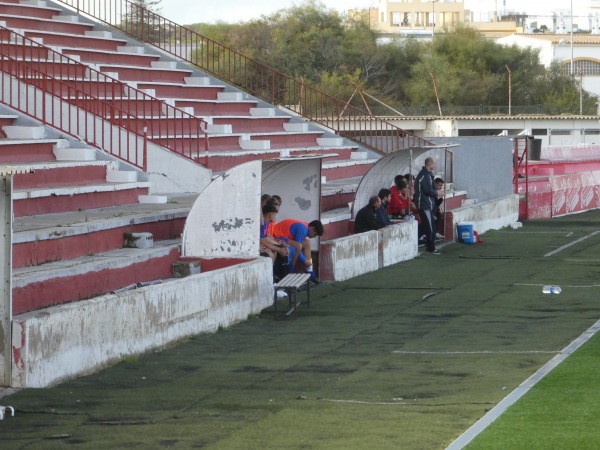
(435, 252)
(314, 278)
(281, 294)
(439, 236)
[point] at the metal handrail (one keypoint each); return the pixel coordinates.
(73, 84)
(249, 75)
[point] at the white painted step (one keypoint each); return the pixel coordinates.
(74, 154)
(330, 142)
(134, 49)
(295, 126)
(197, 81)
(164, 64)
(155, 199)
(100, 34)
(24, 132)
(248, 144)
(263, 112)
(230, 96)
(121, 176)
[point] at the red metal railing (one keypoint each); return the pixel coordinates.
(249, 75)
(87, 104)
(521, 160)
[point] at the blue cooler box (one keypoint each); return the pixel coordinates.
(465, 232)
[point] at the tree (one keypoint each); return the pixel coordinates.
(140, 21)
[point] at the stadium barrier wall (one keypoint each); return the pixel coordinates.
(54, 344)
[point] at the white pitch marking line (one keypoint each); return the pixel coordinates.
(521, 390)
(481, 352)
(567, 286)
(560, 249)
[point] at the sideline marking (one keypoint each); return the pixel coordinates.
(521, 390)
(564, 285)
(481, 352)
(560, 249)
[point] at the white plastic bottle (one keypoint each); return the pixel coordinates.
(551, 289)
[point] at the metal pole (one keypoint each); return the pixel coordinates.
(433, 18)
(580, 71)
(436, 93)
(509, 90)
(572, 72)
(5, 273)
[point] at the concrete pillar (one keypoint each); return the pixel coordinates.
(5, 276)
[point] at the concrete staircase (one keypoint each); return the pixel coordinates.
(240, 127)
(73, 210)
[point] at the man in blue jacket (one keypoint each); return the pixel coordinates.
(425, 196)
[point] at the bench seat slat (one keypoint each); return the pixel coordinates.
(293, 280)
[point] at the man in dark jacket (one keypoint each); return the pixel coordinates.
(383, 219)
(366, 217)
(425, 197)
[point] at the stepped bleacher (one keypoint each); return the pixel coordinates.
(150, 94)
(91, 182)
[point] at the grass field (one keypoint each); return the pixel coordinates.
(404, 358)
(562, 411)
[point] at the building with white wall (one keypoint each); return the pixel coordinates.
(583, 54)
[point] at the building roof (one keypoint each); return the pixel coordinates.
(578, 39)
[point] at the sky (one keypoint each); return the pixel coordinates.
(193, 11)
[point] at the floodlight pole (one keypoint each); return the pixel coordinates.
(509, 90)
(572, 60)
(433, 18)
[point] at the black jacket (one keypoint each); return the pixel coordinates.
(425, 193)
(366, 220)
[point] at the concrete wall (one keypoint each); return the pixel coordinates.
(398, 243)
(482, 166)
(491, 215)
(350, 256)
(224, 220)
(63, 342)
(169, 172)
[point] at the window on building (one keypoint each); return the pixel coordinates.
(585, 67)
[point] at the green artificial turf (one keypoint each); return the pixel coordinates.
(562, 411)
(407, 357)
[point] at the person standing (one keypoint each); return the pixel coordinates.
(425, 200)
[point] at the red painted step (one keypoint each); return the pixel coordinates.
(70, 40)
(87, 199)
(62, 174)
(217, 108)
(31, 68)
(147, 74)
(117, 107)
(16, 9)
(289, 139)
(181, 91)
(90, 56)
(20, 51)
(85, 239)
(32, 23)
(71, 88)
(84, 280)
(15, 151)
(252, 124)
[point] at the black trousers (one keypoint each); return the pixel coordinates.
(428, 225)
